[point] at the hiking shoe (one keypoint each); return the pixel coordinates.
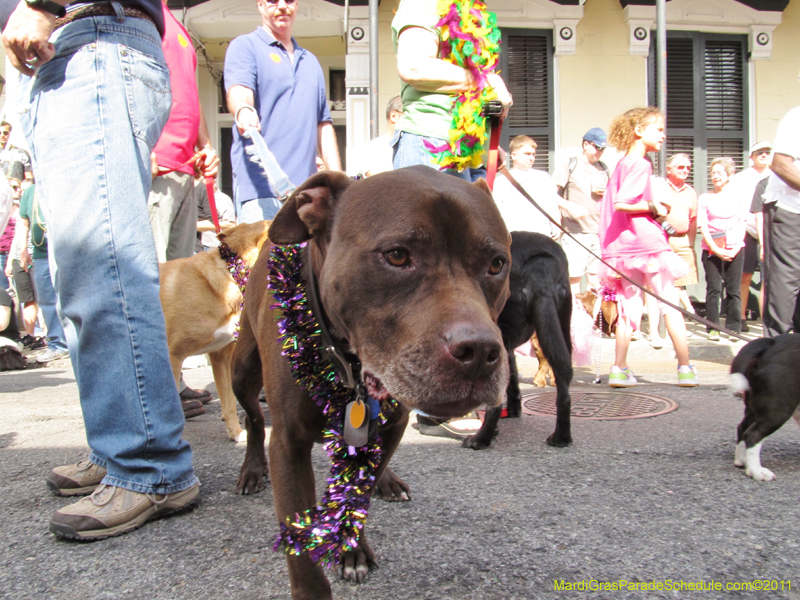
(687, 376)
(76, 480)
(192, 408)
(112, 511)
(202, 396)
(51, 354)
(621, 378)
(32, 342)
(713, 336)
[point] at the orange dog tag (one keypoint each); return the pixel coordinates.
(356, 423)
(357, 414)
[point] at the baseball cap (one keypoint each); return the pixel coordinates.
(760, 146)
(597, 136)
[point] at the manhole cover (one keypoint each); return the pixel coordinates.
(600, 405)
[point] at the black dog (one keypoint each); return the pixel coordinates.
(765, 373)
(540, 302)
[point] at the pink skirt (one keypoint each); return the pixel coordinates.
(656, 271)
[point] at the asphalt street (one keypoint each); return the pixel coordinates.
(649, 501)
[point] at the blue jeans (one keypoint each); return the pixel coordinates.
(92, 115)
(46, 299)
(409, 150)
(4, 283)
(257, 209)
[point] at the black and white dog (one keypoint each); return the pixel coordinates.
(540, 302)
(766, 374)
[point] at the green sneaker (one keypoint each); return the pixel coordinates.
(713, 336)
(621, 378)
(687, 376)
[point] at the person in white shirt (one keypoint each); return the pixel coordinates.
(517, 212)
(376, 155)
(744, 184)
(781, 224)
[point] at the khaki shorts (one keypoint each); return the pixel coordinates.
(680, 245)
(580, 261)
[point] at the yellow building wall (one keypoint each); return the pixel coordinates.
(776, 80)
(602, 79)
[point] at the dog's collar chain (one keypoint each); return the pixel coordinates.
(334, 525)
(239, 271)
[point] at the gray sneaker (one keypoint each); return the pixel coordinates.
(112, 511)
(76, 480)
(51, 354)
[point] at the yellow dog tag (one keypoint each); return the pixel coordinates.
(356, 423)
(357, 414)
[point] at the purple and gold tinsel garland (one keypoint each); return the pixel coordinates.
(239, 271)
(334, 525)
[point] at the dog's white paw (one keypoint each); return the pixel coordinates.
(738, 458)
(242, 437)
(752, 459)
(760, 474)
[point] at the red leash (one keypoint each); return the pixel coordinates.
(209, 185)
(494, 143)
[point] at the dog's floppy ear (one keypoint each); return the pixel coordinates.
(309, 209)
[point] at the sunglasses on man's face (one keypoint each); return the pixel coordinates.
(682, 167)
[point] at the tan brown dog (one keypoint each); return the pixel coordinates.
(594, 305)
(591, 303)
(412, 272)
(202, 306)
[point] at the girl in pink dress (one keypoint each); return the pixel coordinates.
(634, 243)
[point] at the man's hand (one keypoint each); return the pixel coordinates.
(26, 38)
(574, 210)
(498, 85)
(209, 161)
(153, 165)
(25, 259)
(9, 271)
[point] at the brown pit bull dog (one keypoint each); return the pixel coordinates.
(411, 268)
(202, 303)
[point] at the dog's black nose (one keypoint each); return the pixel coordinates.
(476, 350)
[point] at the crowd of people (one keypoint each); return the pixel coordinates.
(131, 87)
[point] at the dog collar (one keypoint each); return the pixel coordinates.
(347, 366)
(333, 526)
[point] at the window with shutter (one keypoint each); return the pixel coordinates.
(526, 65)
(707, 104)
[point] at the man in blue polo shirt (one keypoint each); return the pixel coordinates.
(278, 87)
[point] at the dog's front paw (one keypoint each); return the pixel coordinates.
(558, 441)
(251, 480)
(540, 380)
(739, 456)
(391, 488)
(354, 565)
(760, 474)
(477, 442)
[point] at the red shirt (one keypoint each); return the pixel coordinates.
(179, 138)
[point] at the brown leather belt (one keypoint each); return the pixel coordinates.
(102, 10)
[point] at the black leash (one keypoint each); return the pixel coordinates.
(686, 313)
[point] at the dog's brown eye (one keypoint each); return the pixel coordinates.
(398, 258)
(497, 266)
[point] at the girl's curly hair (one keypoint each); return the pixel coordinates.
(621, 134)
